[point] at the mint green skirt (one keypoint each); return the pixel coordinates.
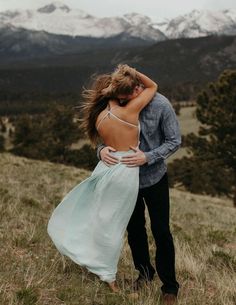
(89, 224)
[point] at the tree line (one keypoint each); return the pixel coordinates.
(210, 167)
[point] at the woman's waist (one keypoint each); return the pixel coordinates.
(122, 149)
(121, 144)
(123, 152)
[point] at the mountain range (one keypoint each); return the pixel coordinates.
(42, 56)
(58, 18)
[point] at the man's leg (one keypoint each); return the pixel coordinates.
(137, 239)
(157, 200)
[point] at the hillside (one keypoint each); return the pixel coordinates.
(182, 67)
(33, 272)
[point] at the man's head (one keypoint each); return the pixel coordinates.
(124, 98)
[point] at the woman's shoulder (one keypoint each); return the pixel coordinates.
(101, 116)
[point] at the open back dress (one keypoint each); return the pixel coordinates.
(89, 224)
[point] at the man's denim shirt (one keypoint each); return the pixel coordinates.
(160, 137)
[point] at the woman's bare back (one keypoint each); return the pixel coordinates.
(117, 129)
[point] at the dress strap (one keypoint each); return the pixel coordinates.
(112, 114)
(107, 113)
(123, 121)
(110, 108)
(102, 119)
(115, 116)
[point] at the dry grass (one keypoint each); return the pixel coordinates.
(34, 272)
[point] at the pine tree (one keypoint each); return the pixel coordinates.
(211, 168)
(48, 136)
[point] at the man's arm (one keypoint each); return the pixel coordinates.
(171, 130)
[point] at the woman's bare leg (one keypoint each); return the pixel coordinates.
(113, 286)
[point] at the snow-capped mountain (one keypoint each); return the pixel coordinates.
(200, 23)
(58, 18)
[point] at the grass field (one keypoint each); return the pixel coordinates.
(34, 272)
(188, 123)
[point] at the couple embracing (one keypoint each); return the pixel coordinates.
(138, 129)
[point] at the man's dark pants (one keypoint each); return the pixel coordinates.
(157, 200)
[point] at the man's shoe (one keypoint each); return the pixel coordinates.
(169, 299)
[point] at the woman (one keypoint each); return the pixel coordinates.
(89, 224)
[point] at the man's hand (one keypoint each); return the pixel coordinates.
(136, 159)
(108, 158)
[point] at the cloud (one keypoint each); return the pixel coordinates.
(220, 4)
(104, 8)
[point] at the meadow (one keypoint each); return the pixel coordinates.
(34, 272)
(188, 123)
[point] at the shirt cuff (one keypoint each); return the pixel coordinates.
(99, 150)
(149, 158)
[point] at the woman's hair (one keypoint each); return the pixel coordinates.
(124, 80)
(105, 87)
(94, 102)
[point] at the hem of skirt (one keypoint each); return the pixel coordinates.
(110, 277)
(104, 279)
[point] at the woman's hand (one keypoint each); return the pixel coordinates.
(108, 158)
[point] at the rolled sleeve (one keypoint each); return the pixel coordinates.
(99, 148)
(172, 135)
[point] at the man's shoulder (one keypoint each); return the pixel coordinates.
(158, 101)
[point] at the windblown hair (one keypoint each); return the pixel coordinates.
(105, 87)
(124, 80)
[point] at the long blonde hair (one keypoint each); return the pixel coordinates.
(105, 87)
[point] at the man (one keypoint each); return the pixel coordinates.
(160, 137)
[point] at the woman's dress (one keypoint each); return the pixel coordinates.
(89, 224)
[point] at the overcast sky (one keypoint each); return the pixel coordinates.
(102, 8)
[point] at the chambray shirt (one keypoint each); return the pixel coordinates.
(160, 137)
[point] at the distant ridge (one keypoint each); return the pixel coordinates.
(179, 62)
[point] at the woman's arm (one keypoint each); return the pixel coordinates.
(139, 102)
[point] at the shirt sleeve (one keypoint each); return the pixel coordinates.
(99, 148)
(172, 135)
